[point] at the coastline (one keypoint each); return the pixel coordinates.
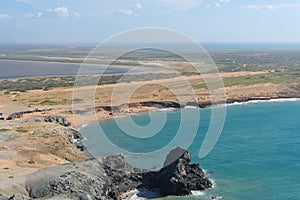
(230, 102)
(31, 146)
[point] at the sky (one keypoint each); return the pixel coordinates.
(92, 21)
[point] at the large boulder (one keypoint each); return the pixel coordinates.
(178, 176)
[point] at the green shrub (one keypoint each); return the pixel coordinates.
(30, 162)
(21, 130)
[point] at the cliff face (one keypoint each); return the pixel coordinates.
(109, 177)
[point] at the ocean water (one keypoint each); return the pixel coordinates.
(251, 46)
(256, 157)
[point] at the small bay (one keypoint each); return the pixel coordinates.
(256, 157)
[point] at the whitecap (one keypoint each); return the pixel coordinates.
(285, 100)
(213, 183)
(207, 172)
(264, 101)
(197, 193)
(190, 107)
(165, 109)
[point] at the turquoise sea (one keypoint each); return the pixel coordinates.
(256, 158)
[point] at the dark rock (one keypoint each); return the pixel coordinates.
(14, 116)
(73, 134)
(122, 176)
(192, 103)
(150, 180)
(37, 120)
(79, 145)
(60, 119)
(96, 179)
(157, 104)
(117, 162)
(178, 176)
(109, 177)
(175, 155)
(21, 113)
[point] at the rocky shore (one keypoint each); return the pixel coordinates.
(126, 108)
(177, 177)
(109, 177)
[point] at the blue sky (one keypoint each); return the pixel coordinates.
(81, 21)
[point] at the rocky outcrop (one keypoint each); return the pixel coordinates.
(157, 104)
(21, 113)
(96, 179)
(60, 119)
(122, 176)
(77, 180)
(178, 176)
(71, 134)
(126, 106)
(109, 177)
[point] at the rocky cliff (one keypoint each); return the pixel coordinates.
(109, 177)
(178, 176)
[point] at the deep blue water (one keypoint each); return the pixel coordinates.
(256, 157)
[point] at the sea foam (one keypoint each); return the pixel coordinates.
(190, 107)
(141, 194)
(197, 193)
(165, 109)
(264, 101)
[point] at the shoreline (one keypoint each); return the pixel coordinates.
(204, 106)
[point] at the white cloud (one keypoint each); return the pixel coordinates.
(76, 14)
(30, 15)
(24, 1)
(4, 16)
(180, 5)
(125, 11)
(256, 7)
(59, 11)
(224, 1)
(271, 7)
(139, 6)
(38, 15)
(106, 13)
(217, 3)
